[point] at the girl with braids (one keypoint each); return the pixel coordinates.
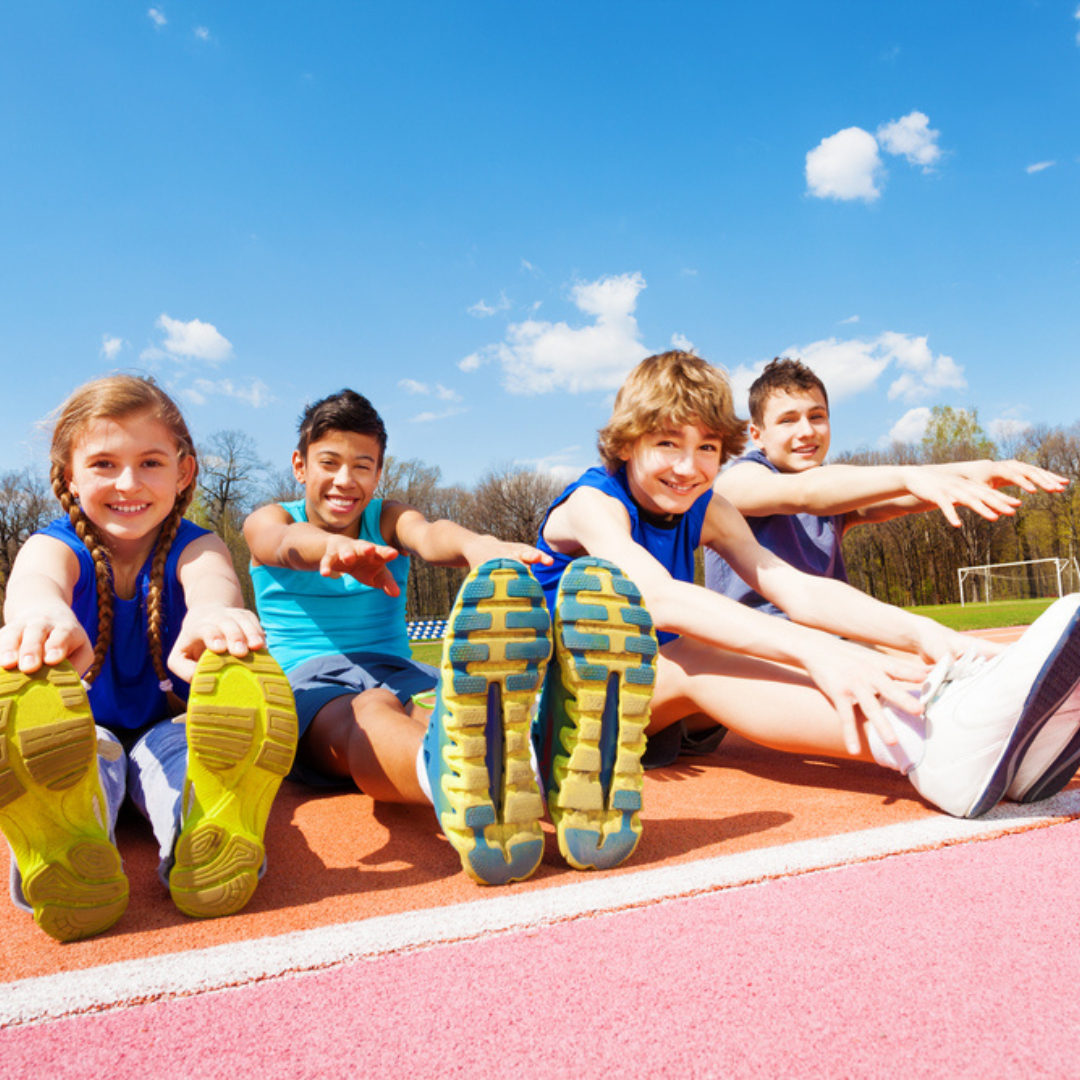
(142, 602)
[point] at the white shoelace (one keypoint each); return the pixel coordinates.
(948, 670)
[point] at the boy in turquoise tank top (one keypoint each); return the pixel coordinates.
(965, 720)
(330, 574)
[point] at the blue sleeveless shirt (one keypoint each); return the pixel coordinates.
(672, 544)
(809, 542)
(126, 693)
(305, 615)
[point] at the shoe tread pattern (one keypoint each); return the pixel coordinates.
(52, 807)
(606, 651)
(241, 734)
(495, 654)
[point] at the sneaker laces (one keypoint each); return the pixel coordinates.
(947, 670)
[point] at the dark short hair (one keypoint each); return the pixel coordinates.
(344, 411)
(782, 376)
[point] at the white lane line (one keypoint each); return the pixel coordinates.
(180, 974)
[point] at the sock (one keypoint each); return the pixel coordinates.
(910, 730)
(422, 775)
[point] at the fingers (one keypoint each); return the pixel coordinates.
(29, 645)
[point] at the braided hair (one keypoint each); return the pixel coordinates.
(118, 397)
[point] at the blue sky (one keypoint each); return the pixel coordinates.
(482, 214)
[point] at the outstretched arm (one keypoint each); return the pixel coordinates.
(216, 618)
(39, 625)
(275, 539)
(446, 543)
(849, 675)
(879, 492)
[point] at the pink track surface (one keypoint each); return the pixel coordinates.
(783, 917)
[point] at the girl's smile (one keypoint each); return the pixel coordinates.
(126, 475)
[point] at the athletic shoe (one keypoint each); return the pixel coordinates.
(595, 712)
(984, 716)
(241, 736)
(1054, 756)
(52, 807)
(477, 749)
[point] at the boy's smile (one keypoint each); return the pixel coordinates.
(668, 470)
(795, 432)
(340, 473)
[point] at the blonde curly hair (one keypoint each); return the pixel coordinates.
(671, 388)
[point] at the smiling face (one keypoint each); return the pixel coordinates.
(339, 472)
(668, 470)
(127, 475)
(794, 432)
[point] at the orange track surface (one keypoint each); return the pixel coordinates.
(338, 857)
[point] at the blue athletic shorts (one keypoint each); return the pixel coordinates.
(319, 681)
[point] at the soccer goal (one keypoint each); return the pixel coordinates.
(1026, 580)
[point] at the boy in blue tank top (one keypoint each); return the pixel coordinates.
(1002, 721)
(331, 576)
(799, 508)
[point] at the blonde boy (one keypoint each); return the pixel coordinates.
(798, 686)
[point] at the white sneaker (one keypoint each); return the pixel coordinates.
(984, 716)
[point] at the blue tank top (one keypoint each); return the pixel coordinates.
(305, 615)
(672, 544)
(126, 693)
(808, 542)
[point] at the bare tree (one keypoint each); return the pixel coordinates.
(510, 502)
(26, 505)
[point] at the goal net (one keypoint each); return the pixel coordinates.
(1027, 580)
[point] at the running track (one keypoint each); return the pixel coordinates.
(782, 917)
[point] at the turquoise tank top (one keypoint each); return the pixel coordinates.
(306, 615)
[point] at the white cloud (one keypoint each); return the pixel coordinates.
(157, 17)
(682, 342)
(1039, 166)
(1076, 15)
(194, 340)
(202, 33)
(482, 309)
(111, 346)
(529, 268)
(911, 427)
(845, 166)
(912, 137)
(854, 366)
(256, 393)
(563, 465)
(538, 356)
(849, 320)
(443, 393)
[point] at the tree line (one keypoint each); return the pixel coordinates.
(910, 560)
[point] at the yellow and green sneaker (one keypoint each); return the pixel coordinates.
(52, 807)
(241, 736)
(477, 748)
(594, 714)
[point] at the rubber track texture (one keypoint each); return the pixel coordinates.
(495, 654)
(52, 807)
(605, 654)
(241, 735)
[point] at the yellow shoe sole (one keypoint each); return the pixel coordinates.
(241, 736)
(52, 807)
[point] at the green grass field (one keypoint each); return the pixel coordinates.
(986, 616)
(969, 617)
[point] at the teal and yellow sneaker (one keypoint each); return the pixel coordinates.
(52, 807)
(241, 736)
(595, 712)
(477, 748)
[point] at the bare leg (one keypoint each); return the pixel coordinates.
(371, 739)
(763, 702)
